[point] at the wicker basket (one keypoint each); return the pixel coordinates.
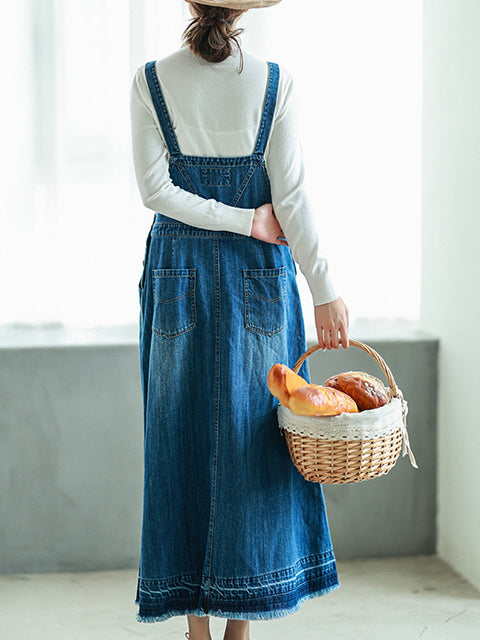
(350, 447)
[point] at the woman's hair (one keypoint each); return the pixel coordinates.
(211, 34)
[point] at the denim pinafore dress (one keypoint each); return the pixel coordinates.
(230, 527)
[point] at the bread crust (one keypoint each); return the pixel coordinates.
(281, 381)
(368, 391)
(317, 400)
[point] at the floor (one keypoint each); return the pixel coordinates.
(388, 599)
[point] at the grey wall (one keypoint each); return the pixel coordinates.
(71, 474)
(70, 458)
(395, 514)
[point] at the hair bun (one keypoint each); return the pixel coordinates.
(213, 32)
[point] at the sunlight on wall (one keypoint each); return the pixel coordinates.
(72, 223)
(357, 70)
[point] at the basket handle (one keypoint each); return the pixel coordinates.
(371, 352)
(395, 391)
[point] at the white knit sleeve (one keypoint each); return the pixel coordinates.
(150, 159)
(285, 166)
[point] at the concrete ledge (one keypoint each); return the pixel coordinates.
(71, 466)
(45, 336)
(18, 336)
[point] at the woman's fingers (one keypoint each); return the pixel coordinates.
(331, 320)
(334, 341)
(279, 235)
(327, 339)
(266, 227)
(344, 336)
(280, 238)
(331, 338)
(320, 340)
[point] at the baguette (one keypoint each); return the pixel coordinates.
(281, 381)
(315, 400)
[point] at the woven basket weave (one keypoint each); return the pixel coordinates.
(345, 449)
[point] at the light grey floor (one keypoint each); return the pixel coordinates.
(388, 599)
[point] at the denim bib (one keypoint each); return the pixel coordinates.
(230, 527)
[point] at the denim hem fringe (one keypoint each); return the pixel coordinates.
(238, 615)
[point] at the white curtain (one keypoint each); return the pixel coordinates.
(72, 225)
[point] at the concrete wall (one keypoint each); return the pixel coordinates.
(71, 468)
(393, 515)
(70, 458)
(451, 266)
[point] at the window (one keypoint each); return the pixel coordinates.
(72, 223)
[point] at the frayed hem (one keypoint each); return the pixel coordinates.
(241, 615)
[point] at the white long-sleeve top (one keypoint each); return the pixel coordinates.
(216, 111)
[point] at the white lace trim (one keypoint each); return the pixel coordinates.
(366, 425)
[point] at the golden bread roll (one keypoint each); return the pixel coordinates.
(315, 400)
(367, 391)
(281, 381)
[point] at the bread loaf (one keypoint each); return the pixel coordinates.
(332, 382)
(315, 400)
(281, 381)
(367, 391)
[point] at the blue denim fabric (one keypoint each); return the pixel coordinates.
(230, 527)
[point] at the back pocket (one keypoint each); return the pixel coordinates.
(265, 292)
(174, 309)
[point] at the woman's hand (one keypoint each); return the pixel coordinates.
(266, 227)
(332, 319)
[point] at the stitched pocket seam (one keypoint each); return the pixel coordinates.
(259, 324)
(189, 310)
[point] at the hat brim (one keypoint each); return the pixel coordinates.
(238, 4)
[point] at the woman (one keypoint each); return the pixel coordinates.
(230, 527)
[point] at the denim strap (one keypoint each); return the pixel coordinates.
(161, 109)
(166, 123)
(268, 108)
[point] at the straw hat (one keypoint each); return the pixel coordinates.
(238, 4)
